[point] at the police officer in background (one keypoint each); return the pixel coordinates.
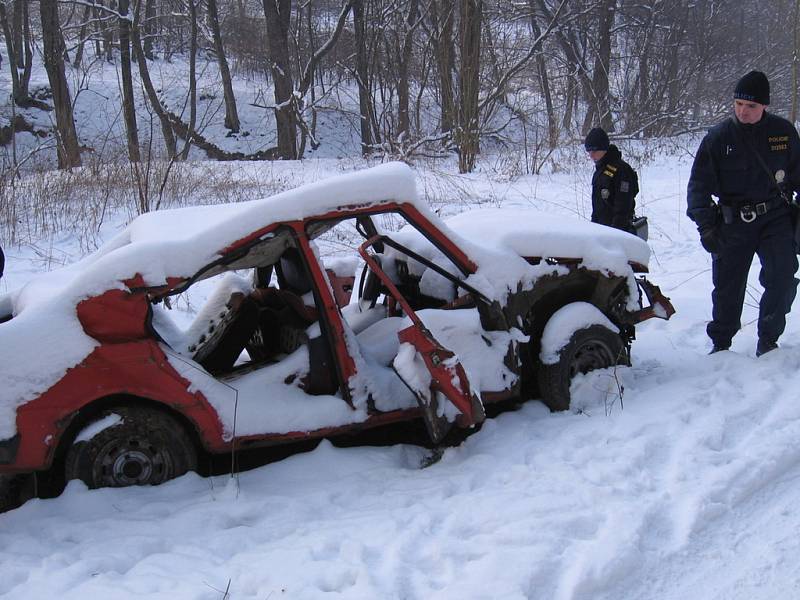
(614, 183)
(751, 163)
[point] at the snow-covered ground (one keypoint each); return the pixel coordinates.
(687, 487)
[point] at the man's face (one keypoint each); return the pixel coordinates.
(596, 155)
(748, 112)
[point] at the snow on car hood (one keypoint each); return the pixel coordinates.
(45, 337)
(499, 239)
(529, 233)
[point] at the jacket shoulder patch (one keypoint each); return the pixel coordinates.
(625, 186)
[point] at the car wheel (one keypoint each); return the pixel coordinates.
(131, 445)
(595, 347)
(15, 490)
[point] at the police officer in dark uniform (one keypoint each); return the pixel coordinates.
(614, 183)
(751, 163)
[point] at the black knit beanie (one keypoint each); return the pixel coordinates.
(753, 87)
(597, 139)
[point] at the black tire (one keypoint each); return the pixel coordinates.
(146, 447)
(15, 490)
(595, 347)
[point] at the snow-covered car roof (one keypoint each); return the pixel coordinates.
(178, 242)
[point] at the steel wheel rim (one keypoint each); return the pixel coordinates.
(132, 461)
(589, 356)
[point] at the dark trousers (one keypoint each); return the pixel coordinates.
(770, 236)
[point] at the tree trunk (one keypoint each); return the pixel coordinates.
(27, 44)
(468, 135)
(152, 95)
(544, 80)
(192, 77)
(277, 14)
(128, 106)
(87, 15)
(107, 33)
(442, 15)
(600, 105)
(97, 47)
(69, 154)
(362, 76)
(402, 81)
(19, 48)
(231, 114)
(20, 23)
(148, 29)
(576, 64)
(675, 84)
(11, 51)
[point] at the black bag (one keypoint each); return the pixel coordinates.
(641, 229)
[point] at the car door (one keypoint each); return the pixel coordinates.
(432, 372)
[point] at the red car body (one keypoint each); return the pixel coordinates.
(131, 364)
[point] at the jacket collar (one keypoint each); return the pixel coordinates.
(612, 155)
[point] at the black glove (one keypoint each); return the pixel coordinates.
(711, 240)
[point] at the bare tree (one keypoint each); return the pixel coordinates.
(309, 70)
(278, 14)
(544, 82)
(192, 96)
(362, 79)
(128, 103)
(442, 16)
(231, 113)
(148, 27)
(411, 23)
(152, 96)
(68, 149)
(598, 100)
(467, 134)
(20, 51)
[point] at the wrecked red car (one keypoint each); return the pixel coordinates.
(106, 377)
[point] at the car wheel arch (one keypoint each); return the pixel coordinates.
(535, 307)
(90, 411)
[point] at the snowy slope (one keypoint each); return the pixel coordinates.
(687, 487)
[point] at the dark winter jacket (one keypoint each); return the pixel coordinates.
(614, 188)
(2, 262)
(725, 166)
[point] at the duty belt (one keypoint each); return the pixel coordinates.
(748, 211)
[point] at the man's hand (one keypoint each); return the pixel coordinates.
(711, 240)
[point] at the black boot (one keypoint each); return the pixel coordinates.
(719, 348)
(764, 346)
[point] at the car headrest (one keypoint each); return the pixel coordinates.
(292, 274)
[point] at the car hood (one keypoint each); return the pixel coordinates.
(532, 233)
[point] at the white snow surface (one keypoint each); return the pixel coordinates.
(688, 488)
(537, 234)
